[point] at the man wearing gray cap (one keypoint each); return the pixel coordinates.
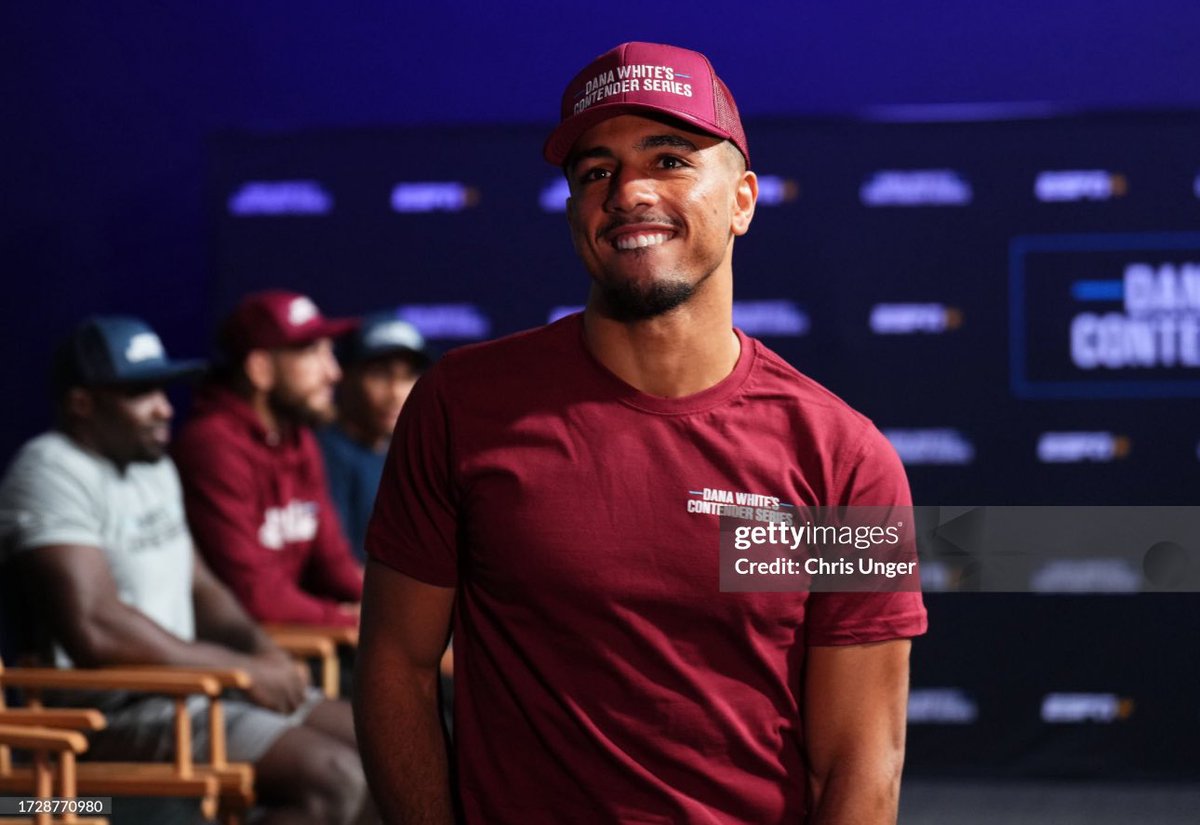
(546, 494)
(93, 530)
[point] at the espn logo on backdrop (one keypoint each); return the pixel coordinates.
(1078, 708)
(914, 319)
(1074, 185)
(1082, 447)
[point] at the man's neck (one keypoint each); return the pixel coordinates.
(275, 426)
(365, 436)
(680, 353)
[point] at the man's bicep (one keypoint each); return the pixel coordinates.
(67, 586)
(855, 702)
(405, 622)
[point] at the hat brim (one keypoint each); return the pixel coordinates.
(327, 328)
(558, 146)
(421, 357)
(159, 373)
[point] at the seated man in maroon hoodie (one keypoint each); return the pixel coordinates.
(254, 484)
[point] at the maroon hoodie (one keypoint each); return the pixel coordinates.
(259, 508)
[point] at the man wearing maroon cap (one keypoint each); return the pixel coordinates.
(253, 479)
(543, 496)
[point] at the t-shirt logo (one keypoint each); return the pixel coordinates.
(284, 525)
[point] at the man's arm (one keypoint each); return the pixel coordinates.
(405, 624)
(80, 603)
(855, 703)
(221, 619)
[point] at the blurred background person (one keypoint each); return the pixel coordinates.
(253, 479)
(95, 539)
(381, 362)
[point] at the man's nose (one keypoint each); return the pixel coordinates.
(628, 190)
(162, 406)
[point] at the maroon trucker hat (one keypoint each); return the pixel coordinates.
(646, 78)
(278, 318)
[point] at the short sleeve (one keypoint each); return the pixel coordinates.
(43, 502)
(875, 478)
(413, 527)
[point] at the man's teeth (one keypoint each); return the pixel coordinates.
(639, 241)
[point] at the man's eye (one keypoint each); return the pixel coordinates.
(595, 173)
(671, 162)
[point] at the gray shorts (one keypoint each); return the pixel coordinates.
(143, 729)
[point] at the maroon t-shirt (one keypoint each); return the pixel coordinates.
(601, 675)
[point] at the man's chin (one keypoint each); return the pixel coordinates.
(632, 301)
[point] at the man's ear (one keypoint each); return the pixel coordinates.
(259, 367)
(745, 198)
(79, 403)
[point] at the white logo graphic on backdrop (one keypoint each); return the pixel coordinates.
(463, 322)
(934, 445)
(918, 187)
(941, 706)
(280, 197)
(783, 319)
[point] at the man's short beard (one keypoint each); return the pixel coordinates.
(630, 301)
(298, 410)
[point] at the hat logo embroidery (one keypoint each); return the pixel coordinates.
(301, 310)
(144, 346)
(627, 79)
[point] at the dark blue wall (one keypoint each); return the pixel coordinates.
(108, 105)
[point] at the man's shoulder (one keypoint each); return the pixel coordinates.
(54, 453)
(779, 379)
(525, 349)
(213, 433)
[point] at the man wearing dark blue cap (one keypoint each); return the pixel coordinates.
(381, 361)
(92, 526)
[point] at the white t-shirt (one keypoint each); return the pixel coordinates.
(56, 492)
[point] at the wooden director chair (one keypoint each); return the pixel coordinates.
(222, 789)
(34, 733)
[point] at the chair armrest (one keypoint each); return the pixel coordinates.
(225, 677)
(347, 636)
(72, 718)
(19, 736)
(305, 645)
(180, 683)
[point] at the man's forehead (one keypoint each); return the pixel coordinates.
(641, 132)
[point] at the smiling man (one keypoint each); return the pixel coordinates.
(537, 499)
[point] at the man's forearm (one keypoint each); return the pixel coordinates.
(124, 636)
(403, 744)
